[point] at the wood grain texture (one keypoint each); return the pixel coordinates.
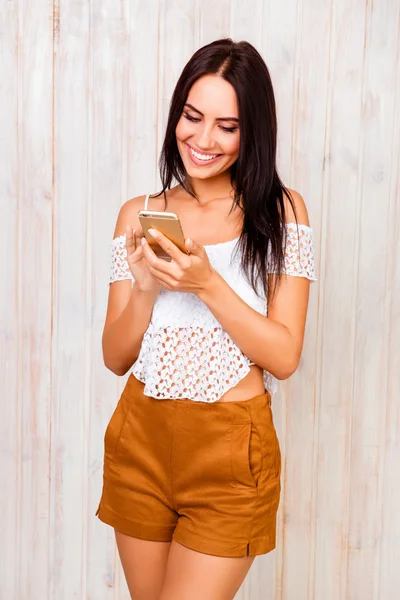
(372, 324)
(108, 151)
(388, 583)
(10, 423)
(336, 322)
(83, 109)
(71, 302)
(34, 298)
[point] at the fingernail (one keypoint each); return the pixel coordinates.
(152, 232)
(143, 241)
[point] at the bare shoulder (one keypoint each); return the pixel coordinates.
(128, 214)
(300, 207)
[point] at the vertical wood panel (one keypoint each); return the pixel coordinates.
(280, 37)
(108, 106)
(142, 85)
(34, 143)
(341, 198)
(214, 20)
(389, 572)
(71, 250)
(246, 21)
(10, 456)
(372, 324)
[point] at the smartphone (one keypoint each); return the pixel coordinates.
(167, 223)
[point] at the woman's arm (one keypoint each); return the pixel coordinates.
(123, 334)
(129, 309)
(274, 342)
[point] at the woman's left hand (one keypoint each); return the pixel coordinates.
(186, 272)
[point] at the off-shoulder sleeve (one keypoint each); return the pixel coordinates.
(299, 252)
(119, 268)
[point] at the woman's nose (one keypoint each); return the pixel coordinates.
(204, 139)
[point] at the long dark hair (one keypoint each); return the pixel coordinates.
(258, 190)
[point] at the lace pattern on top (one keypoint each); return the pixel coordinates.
(193, 363)
(119, 268)
(176, 363)
(299, 255)
(299, 252)
(185, 353)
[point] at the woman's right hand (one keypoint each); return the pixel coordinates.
(137, 263)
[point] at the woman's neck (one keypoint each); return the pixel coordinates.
(216, 188)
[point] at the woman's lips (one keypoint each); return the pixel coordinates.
(198, 161)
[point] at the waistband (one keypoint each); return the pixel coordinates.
(237, 409)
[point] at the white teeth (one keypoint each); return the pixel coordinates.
(202, 156)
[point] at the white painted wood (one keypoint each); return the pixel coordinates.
(278, 42)
(10, 445)
(389, 539)
(246, 21)
(33, 289)
(84, 103)
(71, 352)
(336, 319)
(142, 101)
(372, 308)
(214, 20)
(108, 113)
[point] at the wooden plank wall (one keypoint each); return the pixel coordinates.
(84, 98)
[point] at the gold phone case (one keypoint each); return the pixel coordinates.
(168, 224)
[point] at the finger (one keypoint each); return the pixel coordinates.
(169, 247)
(195, 248)
(129, 242)
(137, 253)
(168, 268)
(135, 240)
(136, 257)
(162, 278)
(133, 247)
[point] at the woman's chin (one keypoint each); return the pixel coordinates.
(198, 172)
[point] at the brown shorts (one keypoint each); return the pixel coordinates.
(205, 474)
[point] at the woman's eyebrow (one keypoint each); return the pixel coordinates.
(218, 118)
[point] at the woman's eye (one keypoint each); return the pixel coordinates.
(191, 118)
(196, 120)
(229, 129)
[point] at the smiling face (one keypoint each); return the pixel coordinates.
(207, 133)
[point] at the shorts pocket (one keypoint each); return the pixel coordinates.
(115, 428)
(272, 456)
(245, 454)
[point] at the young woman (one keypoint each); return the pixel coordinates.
(192, 462)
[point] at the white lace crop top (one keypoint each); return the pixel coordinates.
(185, 353)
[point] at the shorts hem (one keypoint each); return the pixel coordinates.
(206, 545)
(143, 531)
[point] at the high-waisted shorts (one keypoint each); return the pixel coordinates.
(204, 474)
